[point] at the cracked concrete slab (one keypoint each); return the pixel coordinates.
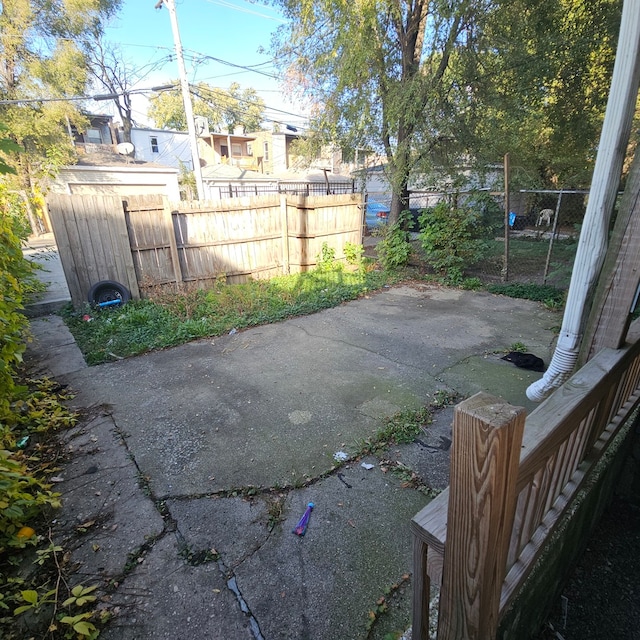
(177, 440)
(324, 584)
(357, 546)
(165, 598)
(106, 515)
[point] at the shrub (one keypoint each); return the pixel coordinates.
(394, 250)
(454, 237)
(14, 269)
(326, 260)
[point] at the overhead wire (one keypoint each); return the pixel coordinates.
(244, 111)
(223, 94)
(229, 5)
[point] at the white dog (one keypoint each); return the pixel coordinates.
(545, 218)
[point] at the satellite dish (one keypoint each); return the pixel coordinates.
(125, 148)
(201, 125)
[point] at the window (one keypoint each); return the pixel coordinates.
(236, 149)
(266, 150)
(154, 144)
(93, 135)
(249, 149)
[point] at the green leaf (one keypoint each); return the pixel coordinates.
(30, 595)
(85, 628)
(22, 609)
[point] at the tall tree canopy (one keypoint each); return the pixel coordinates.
(430, 82)
(540, 86)
(222, 108)
(41, 62)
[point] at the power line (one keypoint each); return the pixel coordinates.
(214, 90)
(97, 97)
(229, 5)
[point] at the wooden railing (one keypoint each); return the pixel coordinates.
(511, 483)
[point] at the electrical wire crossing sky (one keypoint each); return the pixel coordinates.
(223, 41)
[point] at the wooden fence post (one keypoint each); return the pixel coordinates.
(173, 243)
(487, 436)
(285, 234)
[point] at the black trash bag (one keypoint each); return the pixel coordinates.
(525, 361)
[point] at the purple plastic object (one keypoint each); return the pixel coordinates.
(301, 527)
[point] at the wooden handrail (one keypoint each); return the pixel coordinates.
(563, 440)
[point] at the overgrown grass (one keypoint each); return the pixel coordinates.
(167, 320)
(404, 426)
(551, 297)
(527, 259)
(536, 248)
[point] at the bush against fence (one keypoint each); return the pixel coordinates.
(463, 233)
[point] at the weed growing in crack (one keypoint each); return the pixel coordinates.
(382, 606)
(400, 428)
(409, 479)
(250, 491)
(520, 347)
(137, 556)
(196, 558)
(162, 508)
(443, 398)
(144, 482)
(275, 511)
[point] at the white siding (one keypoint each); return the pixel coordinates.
(117, 180)
(173, 147)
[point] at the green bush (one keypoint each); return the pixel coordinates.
(454, 237)
(326, 259)
(13, 325)
(22, 495)
(394, 250)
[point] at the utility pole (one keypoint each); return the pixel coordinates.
(186, 96)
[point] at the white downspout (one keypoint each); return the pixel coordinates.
(604, 185)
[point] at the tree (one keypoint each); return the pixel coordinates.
(116, 76)
(540, 85)
(222, 108)
(432, 83)
(41, 64)
(379, 73)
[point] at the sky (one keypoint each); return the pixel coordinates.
(233, 31)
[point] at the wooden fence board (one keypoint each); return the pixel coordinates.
(90, 232)
(145, 242)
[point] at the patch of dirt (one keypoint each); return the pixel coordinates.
(601, 601)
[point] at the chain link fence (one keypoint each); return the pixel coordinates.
(541, 237)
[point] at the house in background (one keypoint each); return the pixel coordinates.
(162, 146)
(101, 135)
(277, 155)
(235, 149)
(274, 151)
(233, 163)
(107, 167)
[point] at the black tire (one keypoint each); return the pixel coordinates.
(108, 291)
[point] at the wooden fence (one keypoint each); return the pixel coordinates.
(512, 483)
(146, 242)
